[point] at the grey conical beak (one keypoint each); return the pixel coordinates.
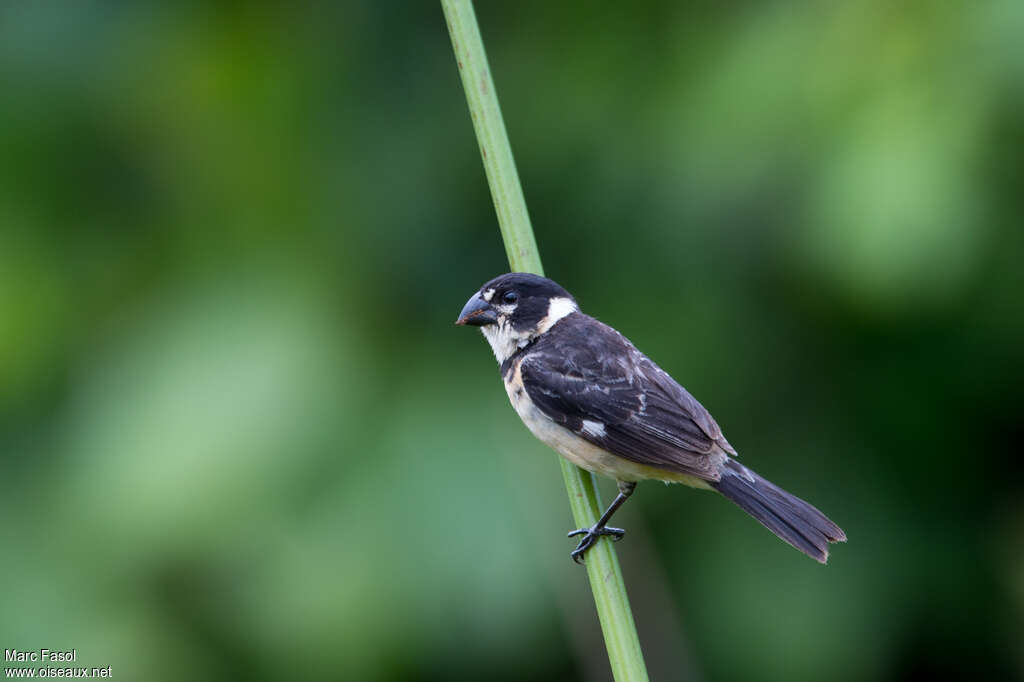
(477, 313)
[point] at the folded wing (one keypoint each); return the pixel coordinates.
(592, 380)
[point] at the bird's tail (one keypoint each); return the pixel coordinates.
(789, 517)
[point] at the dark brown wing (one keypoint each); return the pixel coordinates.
(587, 377)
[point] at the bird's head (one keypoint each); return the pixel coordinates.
(513, 309)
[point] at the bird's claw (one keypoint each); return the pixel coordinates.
(590, 536)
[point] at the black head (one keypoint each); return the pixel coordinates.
(518, 300)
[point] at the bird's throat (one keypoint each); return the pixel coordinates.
(505, 340)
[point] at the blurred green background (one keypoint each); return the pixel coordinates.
(241, 439)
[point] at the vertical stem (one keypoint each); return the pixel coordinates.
(513, 218)
(606, 581)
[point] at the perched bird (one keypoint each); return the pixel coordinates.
(583, 389)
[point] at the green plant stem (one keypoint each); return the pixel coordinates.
(606, 581)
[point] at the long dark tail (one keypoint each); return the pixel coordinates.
(789, 517)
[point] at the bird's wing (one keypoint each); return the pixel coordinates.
(592, 380)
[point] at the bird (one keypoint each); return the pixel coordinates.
(584, 389)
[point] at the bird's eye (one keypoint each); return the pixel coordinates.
(510, 297)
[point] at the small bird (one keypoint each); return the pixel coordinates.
(584, 390)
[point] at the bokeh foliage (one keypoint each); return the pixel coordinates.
(239, 437)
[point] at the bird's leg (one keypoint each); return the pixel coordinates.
(590, 535)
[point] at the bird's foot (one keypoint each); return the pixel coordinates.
(590, 536)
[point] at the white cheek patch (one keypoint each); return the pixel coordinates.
(592, 428)
(558, 308)
(505, 340)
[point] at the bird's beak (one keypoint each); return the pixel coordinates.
(477, 313)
